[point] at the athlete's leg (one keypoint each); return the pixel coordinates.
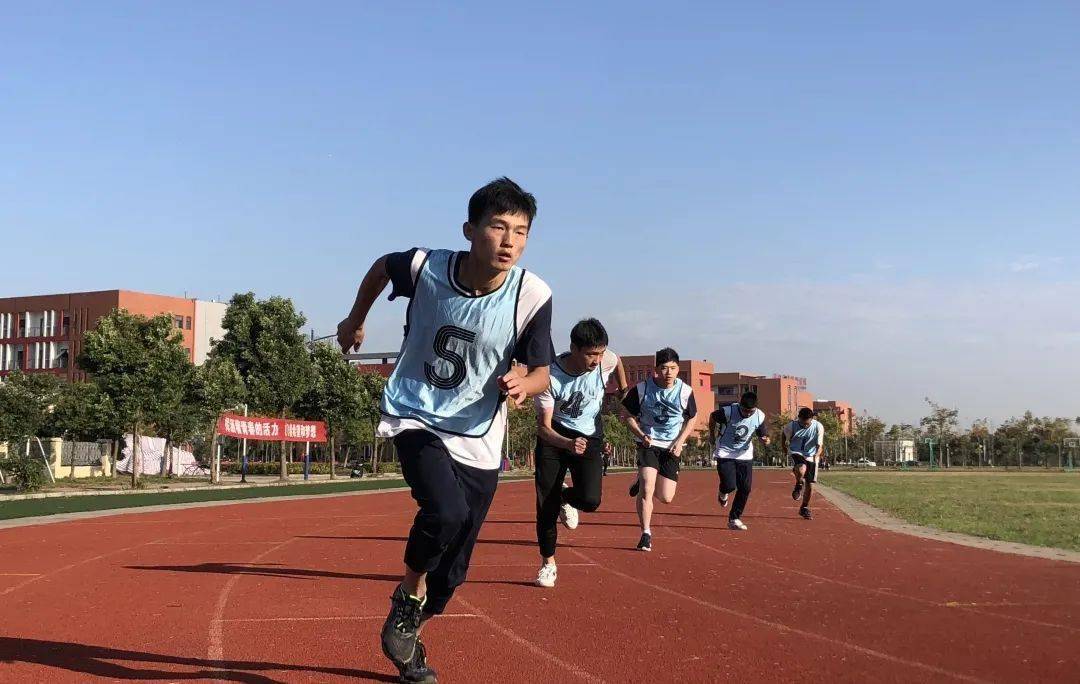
(586, 473)
(647, 478)
(665, 489)
(668, 479)
(479, 488)
(550, 471)
(811, 478)
(443, 507)
(744, 476)
(799, 471)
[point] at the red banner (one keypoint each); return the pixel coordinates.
(271, 429)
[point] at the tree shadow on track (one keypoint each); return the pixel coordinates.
(85, 659)
(265, 570)
(506, 542)
(501, 542)
(597, 523)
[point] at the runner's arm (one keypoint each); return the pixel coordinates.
(547, 433)
(350, 332)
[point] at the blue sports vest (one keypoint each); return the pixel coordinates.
(739, 431)
(456, 347)
(661, 415)
(578, 399)
(804, 440)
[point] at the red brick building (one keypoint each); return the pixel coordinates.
(778, 395)
(841, 409)
(44, 333)
(381, 363)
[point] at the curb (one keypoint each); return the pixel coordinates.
(866, 514)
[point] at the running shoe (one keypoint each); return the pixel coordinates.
(547, 575)
(645, 543)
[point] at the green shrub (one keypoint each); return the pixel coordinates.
(27, 472)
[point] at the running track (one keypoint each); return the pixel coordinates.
(291, 591)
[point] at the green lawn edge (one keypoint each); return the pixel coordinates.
(28, 508)
(1040, 509)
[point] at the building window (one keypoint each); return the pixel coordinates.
(187, 323)
(179, 320)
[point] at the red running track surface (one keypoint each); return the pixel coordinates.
(296, 591)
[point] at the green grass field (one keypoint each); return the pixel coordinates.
(1033, 508)
(31, 507)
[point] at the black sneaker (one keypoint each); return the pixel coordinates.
(805, 512)
(635, 488)
(797, 492)
(416, 671)
(400, 632)
(645, 543)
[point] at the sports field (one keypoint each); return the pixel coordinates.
(296, 590)
(1032, 508)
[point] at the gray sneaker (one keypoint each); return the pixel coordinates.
(417, 671)
(400, 632)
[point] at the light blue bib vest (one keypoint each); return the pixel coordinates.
(456, 347)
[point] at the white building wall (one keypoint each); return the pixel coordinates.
(208, 318)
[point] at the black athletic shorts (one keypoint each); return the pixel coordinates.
(665, 462)
(811, 466)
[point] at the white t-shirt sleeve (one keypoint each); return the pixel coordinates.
(820, 435)
(545, 401)
(608, 364)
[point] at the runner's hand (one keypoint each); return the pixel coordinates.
(350, 335)
(510, 385)
(579, 445)
(646, 441)
(676, 449)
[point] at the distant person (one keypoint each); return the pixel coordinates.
(732, 429)
(660, 413)
(804, 441)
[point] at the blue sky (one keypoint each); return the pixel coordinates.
(882, 199)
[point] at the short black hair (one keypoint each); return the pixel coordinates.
(501, 196)
(588, 333)
(805, 413)
(666, 355)
(748, 400)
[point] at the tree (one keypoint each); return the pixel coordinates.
(176, 413)
(978, 438)
(131, 358)
(521, 429)
(868, 429)
(219, 388)
(834, 435)
(264, 342)
(84, 413)
(616, 431)
(336, 397)
(26, 404)
(940, 425)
